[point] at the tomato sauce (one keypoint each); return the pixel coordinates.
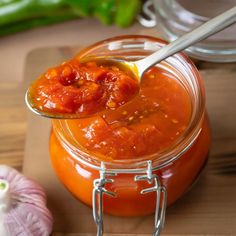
(83, 89)
(151, 122)
(167, 115)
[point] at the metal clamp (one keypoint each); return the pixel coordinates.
(98, 190)
(160, 196)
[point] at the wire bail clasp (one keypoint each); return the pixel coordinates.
(98, 190)
(160, 196)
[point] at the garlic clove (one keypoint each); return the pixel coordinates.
(23, 208)
(31, 220)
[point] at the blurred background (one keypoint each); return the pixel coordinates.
(30, 24)
(37, 32)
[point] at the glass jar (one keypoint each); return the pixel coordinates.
(175, 18)
(145, 184)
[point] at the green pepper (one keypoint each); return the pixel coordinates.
(105, 10)
(126, 12)
(16, 15)
(80, 7)
(28, 9)
(25, 25)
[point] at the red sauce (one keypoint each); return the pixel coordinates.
(150, 122)
(82, 88)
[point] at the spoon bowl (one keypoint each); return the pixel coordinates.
(31, 99)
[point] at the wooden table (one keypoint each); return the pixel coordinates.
(13, 124)
(220, 82)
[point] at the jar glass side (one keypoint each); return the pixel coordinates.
(178, 167)
(177, 177)
(134, 48)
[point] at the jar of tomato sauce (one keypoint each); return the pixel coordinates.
(143, 156)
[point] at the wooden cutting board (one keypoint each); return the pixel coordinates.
(208, 209)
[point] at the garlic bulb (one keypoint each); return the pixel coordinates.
(23, 210)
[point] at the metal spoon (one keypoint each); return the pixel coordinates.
(139, 67)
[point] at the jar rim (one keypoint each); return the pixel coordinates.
(159, 159)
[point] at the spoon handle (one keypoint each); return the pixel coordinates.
(212, 26)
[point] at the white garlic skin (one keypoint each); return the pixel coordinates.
(23, 210)
(3, 231)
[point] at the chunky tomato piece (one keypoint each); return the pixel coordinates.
(82, 88)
